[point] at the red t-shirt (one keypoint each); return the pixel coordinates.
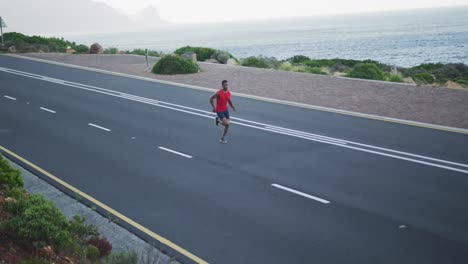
(222, 100)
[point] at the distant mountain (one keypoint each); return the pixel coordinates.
(67, 16)
(148, 17)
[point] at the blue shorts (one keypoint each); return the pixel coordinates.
(223, 115)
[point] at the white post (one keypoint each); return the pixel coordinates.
(146, 58)
(1, 30)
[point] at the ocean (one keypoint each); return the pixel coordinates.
(400, 38)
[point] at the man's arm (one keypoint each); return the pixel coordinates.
(232, 106)
(212, 101)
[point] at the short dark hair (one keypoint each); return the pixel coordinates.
(223, 82)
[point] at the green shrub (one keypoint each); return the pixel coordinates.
(174, 64)
(261, 62)
(54, 47)
(123, 258)
(285, 66)
(25, 43)
(81, 49)
(76, 250)
(318, 63)
(40, 47)
(16, 192)
(367, 71)
(332, 62)
(82, 231)
(9, 175)
(92, 253)
(299, 68)
(425, 67)
(315, 70)
(255, 62)
(462, 81)
(111, 50)
(450, 71)
(423, 78)
(38, 219)
(19, 206)
(298, 59)
(339, 67)
(136, 52)
(202, 53)
(395, 78)
(440, 73)
(14, 36)
(21, 46)
(152, 53)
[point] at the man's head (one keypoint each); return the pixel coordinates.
(224, 83)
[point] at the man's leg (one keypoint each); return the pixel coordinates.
(225, 123)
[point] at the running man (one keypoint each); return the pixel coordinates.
(223, 97)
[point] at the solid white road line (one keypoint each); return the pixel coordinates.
(9, 97)
(305, 135)
(301, 193)
(48, 110)
(407, 159)
(175, 152)
(100, 127)
(412, 155)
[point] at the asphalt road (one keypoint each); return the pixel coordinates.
(292, 185)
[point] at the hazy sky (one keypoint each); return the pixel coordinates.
(183, 11)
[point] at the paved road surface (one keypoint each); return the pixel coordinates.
(292, 185)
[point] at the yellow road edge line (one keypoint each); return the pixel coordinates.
(260, 98)
(109, 209)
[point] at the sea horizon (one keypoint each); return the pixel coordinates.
(401, 38)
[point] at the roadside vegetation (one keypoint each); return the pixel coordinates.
(204, 54)
(424, 74)
(175, 64)
(33, 230)
(22, 44)
(114, 50)
(453, 75)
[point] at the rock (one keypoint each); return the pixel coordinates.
(96, 49)
(212, 61)
(231, 61)
(12, 49)
(450, 84)
(191, 56)
(220, 56)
